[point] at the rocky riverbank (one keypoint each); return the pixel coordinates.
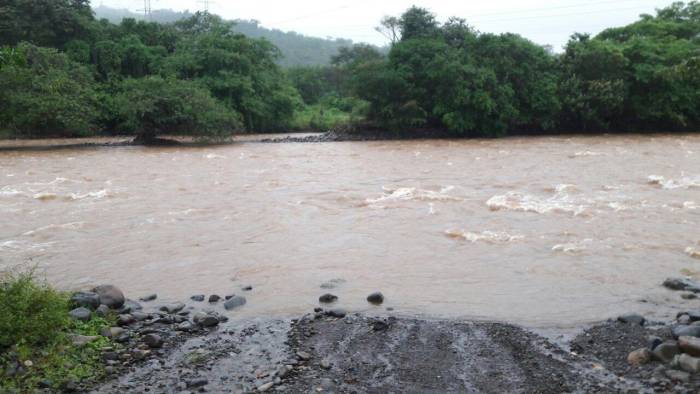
(192, 346)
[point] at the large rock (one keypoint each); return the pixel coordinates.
(690, 345)
(689, 363)
(686, 331)
(682, 284)
(81, 314)
(327, 298)
(235, 302)
(85, 299)
(110, 296)
(666, 351)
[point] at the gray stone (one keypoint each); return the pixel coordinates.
(130, 306)
(689, 296)
(690, 345)
(666, 351)
(173, 308)
(85, 299)
(195, 383)
(153, 341)
(214, 298)
(682, 284)
(337, 313)
(684, 320)
(112, 332)
(140, 316)
(235, 302)
(678, 376)
(81, 314)
(198, 298)
(632, 319)
(686, 331)
(694, 315)
(376, 298)
(283, 371)
(110, 296)
(102, 310)
(689, 363)
(148, 298)
(303, 355)
(207, 320)
(185, 326)
(125, 320)
(265, 387)
(327, 298)
(654, 341)
(325, 364)
(247, 288)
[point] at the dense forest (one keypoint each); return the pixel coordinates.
(296, 49)
(65, 73)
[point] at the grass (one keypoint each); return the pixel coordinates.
(35, 337)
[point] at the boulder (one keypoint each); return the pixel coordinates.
(639, 357)
(110, 296)
(235, 302)
(666, 351)
(85, 299)
(690, 345)
(81, 314)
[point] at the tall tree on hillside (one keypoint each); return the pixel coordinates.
(44, 22)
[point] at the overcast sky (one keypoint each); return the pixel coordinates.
(548, 22)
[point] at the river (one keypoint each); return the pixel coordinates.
(546, 231)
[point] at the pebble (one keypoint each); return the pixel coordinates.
(198, 297)
(153, 341)
(376, 298)
(110, 296)
(639, 357)
(81, 314)
(325, 364)
(303, 356)
(265, 387)
(247, 288)
(234, 302)
(194, 383)
(148, 298)
(327, 298)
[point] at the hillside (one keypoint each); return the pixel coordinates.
(297, 49)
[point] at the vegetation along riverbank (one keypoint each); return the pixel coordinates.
(63, 73)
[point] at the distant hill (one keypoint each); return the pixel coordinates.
(297, 49)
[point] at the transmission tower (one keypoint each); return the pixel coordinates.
(206, 4)
(147, 9)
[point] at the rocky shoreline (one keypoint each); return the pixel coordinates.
(192, 346)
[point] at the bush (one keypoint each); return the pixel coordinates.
(31, 313)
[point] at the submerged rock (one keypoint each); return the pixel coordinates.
(214, 298)
(327, 298)
(682, 284)
(235, 302)
(150, 297)
(198, 298)
(376, 298)
(110, 296)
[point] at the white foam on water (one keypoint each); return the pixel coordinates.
(560, 202)
(693, 252)
(97, 195)
(10, 192)
(214, 156)
(670, 184)
(572, 247)
(53, 227)
(413, 194)
(585, 153)
(486, 236)
(690, 205)
(22, 246)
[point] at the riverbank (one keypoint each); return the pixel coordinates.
(193, 346)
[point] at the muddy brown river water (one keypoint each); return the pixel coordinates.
(538, 231)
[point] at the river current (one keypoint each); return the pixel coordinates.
(546, 231)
